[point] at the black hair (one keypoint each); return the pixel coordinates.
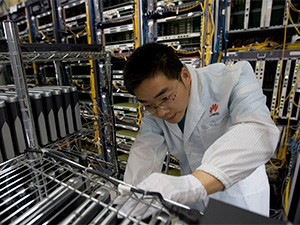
(149, 60)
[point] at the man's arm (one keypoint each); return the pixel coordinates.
(209, 182)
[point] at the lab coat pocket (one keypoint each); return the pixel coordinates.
(211, 131)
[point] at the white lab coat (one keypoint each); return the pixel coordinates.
(228, 133)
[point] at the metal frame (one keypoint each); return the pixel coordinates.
(51, 188)
(247, 13)
(44, 56)
(266, 10)
(20, 82)
(259, 70)
(101, 107)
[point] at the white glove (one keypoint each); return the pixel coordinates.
(186, 189)
(137, 205)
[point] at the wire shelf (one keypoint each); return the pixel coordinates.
(29, 57)
(46, 187)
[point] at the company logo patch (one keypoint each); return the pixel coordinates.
(213, 110)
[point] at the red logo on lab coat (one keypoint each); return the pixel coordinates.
(213, 108)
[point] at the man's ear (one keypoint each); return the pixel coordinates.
(186, 76)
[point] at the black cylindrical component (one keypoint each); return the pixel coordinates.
(39, 118)
(75, 108)
(57, 109)
(59, 113)
(68, 109)
(15, 123)
(66, 105)
(6, 143)
(48, 110)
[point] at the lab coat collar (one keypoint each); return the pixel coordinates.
(174, 128)
(195, 109)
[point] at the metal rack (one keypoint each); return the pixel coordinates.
(48, 187)
(269, 66)
(64, 184)
(43, 52)
(52, 56)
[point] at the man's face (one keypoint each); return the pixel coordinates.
(164, 98)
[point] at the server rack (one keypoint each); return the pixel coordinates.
(127, 112)
(117, 26)
(18, 15)
(119, 31)
(246, 23)
(73, 19)
(268, 67)
(181, 28)
(193, 28)
(265, 34)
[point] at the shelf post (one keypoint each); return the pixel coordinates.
(16, 61)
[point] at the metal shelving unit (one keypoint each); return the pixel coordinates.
(63, 183)
(52, 188)
(105, 123)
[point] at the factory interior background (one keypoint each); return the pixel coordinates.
(62, 94)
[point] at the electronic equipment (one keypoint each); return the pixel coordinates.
(6, 144)
(15, 123)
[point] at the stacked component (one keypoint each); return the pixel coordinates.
(118, 28)
(56, 114)
(127, 114)
(15, 123)
(7, 151)
(278, 75)
(183, 30)
(52, 189)
(12, 137)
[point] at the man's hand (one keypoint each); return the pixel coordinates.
(186, 189)
(138, 206)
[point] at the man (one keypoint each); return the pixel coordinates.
(213, 119)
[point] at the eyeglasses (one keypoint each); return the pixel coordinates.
(165, 102)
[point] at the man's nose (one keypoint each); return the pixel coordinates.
(161, 112)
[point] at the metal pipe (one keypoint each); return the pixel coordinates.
(11, 34)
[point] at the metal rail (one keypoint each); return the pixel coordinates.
(49, 56)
